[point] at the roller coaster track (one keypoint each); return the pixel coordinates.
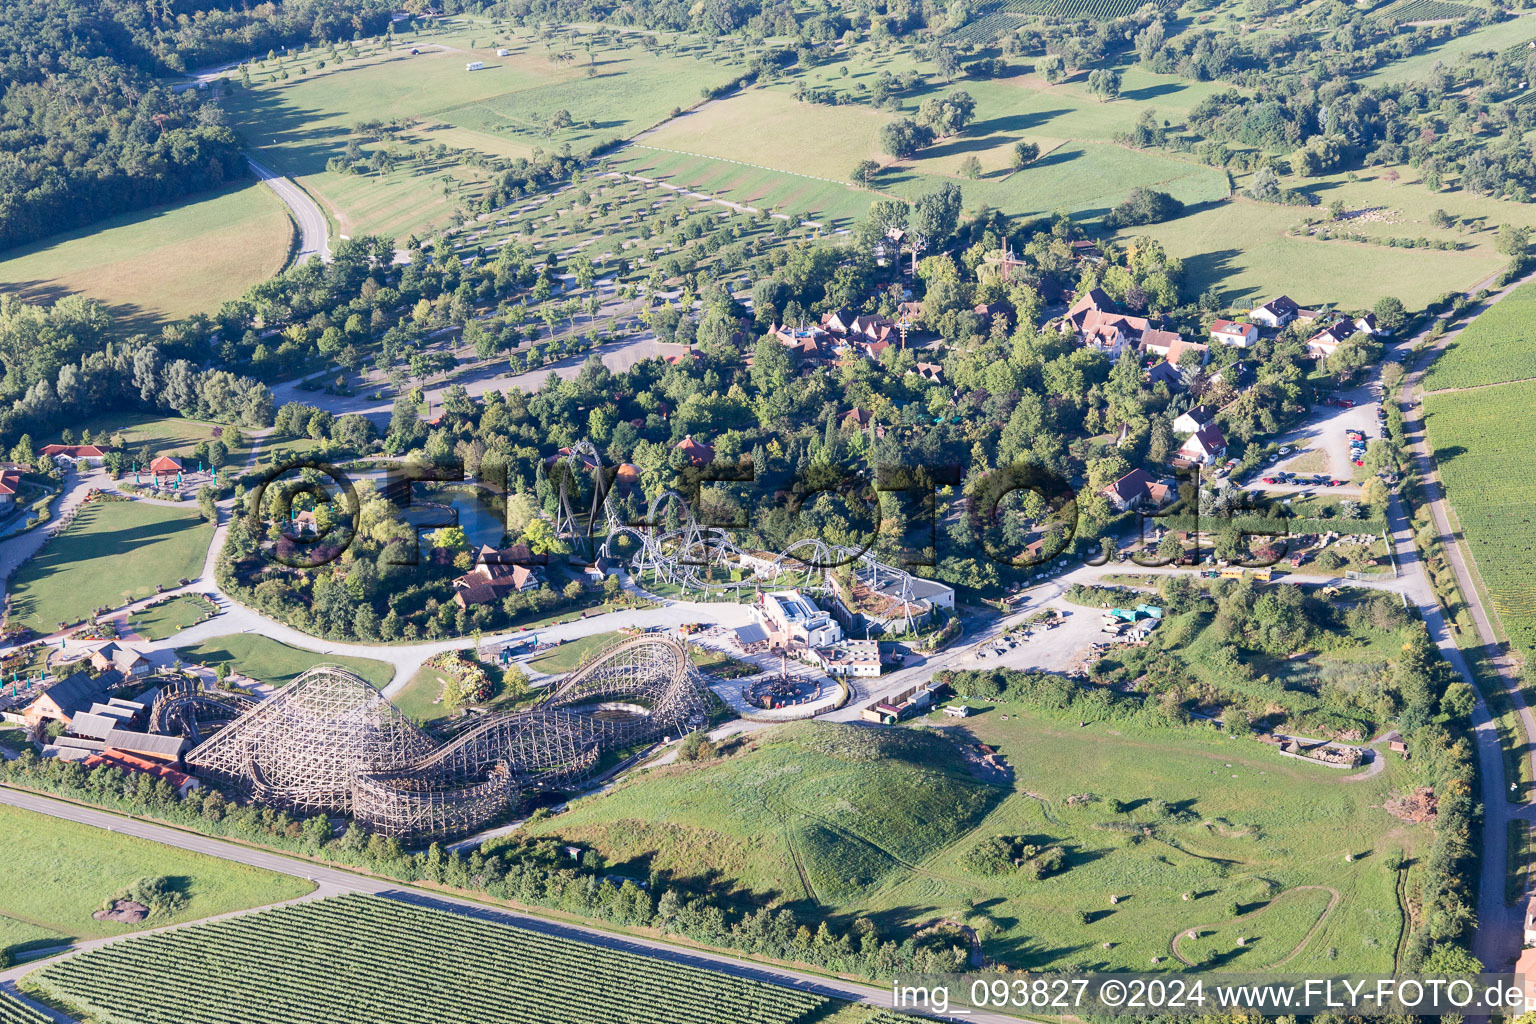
(684, 556)
(330, 742)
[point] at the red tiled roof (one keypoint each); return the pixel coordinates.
(74, 451)
(126, 762)
(10, 481)
(165, 464)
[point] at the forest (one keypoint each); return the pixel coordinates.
(90, 130)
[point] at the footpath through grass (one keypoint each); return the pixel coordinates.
(59, 872)
(114, 552)
(274, 662)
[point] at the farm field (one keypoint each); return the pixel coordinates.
(61, 871)
(158, 265)
(1483, 444)
(501, 111)
(1493, 349)
(113, 552)
(377, 959)
(1237, 823)
(275, 663)
(13, 1011)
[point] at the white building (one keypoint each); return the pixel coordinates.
(792, 618)
(850, 658)
(474, 65)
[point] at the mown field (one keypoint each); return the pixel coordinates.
(369, 958)
(299, 123)
(1485, 445)
(113, 552)
(59, 872)
(164, 263)
(275, 663)
(1498, 346)
(766, 148)
(1144, 815)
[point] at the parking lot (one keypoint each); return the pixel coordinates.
(1326, 430)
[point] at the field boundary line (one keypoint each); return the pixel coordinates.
(1476, 387)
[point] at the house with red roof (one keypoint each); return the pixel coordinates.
(132, 764)
(1234, 333)
(697, 453)
(74, 452)
(165, 466)
(10, 486)
(499, 573)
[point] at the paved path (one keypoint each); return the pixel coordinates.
(306, 214)
(1500, 932)
(334, 880)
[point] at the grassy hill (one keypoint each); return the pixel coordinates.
(810, 812)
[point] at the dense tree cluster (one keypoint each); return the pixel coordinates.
(86, 129)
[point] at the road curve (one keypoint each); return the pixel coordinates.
(334, 880)
(306, 214)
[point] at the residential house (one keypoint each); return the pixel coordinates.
(1166, 373)
(1206, 445)
(1234, 333)
(1367, 325)
(1327, 341)
(10, 486)
(1193, 420)
(930, 372)
(499, 573)
(1136, 489)
(1174, 348)
(1275, 313)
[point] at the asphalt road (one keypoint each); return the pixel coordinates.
(306, 214)
(333, 881)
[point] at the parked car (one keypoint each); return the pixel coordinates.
(1270, 480)
(1285, 451)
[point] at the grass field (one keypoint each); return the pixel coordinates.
(275, 663)
(1488, 39)
(568, 656)
(503, 110)
(1484, 443)
(162, 435)
(1242, 249)
(1494, 348)
(171, 617)
(161, 264)
(112, 553)
(814, 814)
(765, 148)
(59, 872)
(1235, 823)
(381, 960)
